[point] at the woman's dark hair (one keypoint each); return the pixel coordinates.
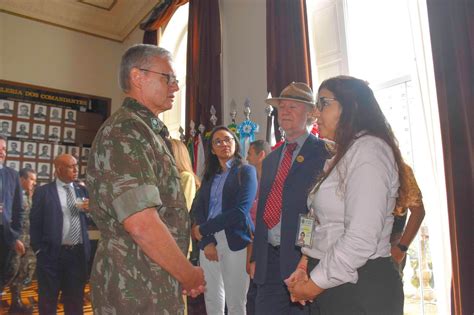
(212, 166)
(360, 112)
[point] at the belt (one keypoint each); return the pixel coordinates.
(70, 247)
(277, 247)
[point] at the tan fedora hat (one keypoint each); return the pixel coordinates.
(295, 91)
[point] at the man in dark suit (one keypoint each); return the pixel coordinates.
(58, 232)
(287, 175)
(11, 213)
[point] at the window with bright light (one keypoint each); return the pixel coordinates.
(174, 39)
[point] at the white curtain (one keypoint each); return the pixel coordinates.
(428, 155)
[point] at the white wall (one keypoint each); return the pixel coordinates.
(45, 55)
(244, 64)
(41, 54)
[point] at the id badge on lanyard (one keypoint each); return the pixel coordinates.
(304, 235)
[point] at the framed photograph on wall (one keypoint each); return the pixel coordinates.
(6, 108)
(29, 149)
(14, 164)
(69, 135)
(39, 112)
(59, 149)
(6, 127)
(55, 114)
(13, 148)
(39, 131)
(22, 129)
(29, 164)
(43, 170)
(74, 151)
(54, 133)
(44, 151)
(85, 154)
(70, 116)
(24, 110)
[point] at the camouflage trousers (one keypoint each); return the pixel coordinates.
(22, 269)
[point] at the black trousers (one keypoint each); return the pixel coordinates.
(67, 275)
(379, 290)
(5, 257)
(273, 297)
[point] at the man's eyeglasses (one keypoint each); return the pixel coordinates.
(170, 78)
(323, 102)
(219, 142)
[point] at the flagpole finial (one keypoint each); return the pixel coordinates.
(201, 128)
(213, 118)
(192, 126)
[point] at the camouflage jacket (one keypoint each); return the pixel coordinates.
(130, 169)
(25, 222)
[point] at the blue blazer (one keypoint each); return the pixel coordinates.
(46, 221)
(12, 205)
(301, 177)
(238, 195)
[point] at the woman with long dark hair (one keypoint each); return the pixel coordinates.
(223, 227)
(349, 263)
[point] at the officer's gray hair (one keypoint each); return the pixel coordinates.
(138, 56)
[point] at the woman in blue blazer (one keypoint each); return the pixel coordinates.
(221, 213)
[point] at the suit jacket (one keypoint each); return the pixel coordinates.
(46, 221)
(12, 205)
(238, 194)
(301, 177)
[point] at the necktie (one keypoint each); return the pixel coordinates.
(75, 230)
(272, 213)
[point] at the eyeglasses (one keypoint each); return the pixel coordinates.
(323, 102)
(170, 78)
(219, 142)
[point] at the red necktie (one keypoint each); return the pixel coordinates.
(272, 213)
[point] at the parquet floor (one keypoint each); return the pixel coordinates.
(30, 296)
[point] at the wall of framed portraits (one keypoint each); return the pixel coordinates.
(42, 123)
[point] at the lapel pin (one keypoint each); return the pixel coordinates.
(154, 123)
(300, 159)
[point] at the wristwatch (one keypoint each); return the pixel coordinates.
(403, 248)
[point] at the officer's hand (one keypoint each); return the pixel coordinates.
(210, 251)
(19, 247)
(195, 284)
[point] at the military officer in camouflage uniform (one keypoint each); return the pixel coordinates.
(136, 200)
(23, 266)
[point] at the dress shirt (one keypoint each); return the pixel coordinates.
(274, 234)
(66, 211)
(215, 203)
(353, 209)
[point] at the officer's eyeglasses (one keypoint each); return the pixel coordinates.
(219, 142)
(170, 78)
(323, 102)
